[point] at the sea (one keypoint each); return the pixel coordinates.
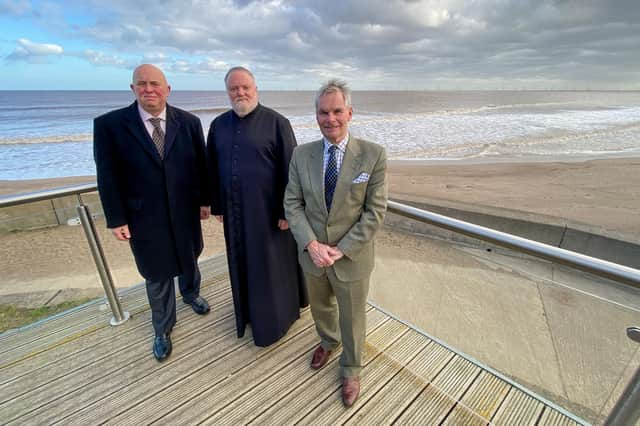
(46, 134)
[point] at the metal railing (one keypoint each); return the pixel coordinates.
(119, 316)
(627, 409)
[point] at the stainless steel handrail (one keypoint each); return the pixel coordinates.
(46, 194)
(119, 316)
(627, 408)
(589, 264)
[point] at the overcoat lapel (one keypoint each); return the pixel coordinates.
(172, 130)
(133, 122)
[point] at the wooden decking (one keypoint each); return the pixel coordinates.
(76, 369)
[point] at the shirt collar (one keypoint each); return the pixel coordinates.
(146, 116)
(342, 146)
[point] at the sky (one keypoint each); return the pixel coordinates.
(297, 44)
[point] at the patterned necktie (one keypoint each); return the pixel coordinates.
(158, 135)
(330, 176)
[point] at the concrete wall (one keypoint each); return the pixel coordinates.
(42, 214)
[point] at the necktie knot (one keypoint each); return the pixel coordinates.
(158, 135)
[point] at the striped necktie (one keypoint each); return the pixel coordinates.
(158, 135)
(330, 176)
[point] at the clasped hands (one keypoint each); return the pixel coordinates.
(323, 255)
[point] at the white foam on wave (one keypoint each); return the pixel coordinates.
(496, 133)
(83, 137)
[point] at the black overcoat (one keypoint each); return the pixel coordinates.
(159, 199)
(249, 165)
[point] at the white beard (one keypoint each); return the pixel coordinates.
(244, 108)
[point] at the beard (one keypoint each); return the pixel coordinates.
(243, 108)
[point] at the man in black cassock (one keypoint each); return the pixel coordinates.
(248, 150)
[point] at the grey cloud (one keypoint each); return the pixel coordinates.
(381, 43)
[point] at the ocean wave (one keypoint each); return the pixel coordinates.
(83, 137)
(209, 110)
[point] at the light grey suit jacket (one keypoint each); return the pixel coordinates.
(358, 208)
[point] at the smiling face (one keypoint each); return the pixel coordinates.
(242, 91)
(151, 88)
(333, 116)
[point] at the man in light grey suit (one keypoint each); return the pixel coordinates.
(335, 202)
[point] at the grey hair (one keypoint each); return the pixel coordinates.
(334, 86)
(238, 68)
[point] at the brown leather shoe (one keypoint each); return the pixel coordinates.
(320, 357)
(350, 390)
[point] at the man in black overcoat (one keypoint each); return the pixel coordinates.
(249, 148)
(152, 179)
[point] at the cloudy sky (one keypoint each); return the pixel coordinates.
(374, 44)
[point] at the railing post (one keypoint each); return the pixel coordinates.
(119, 316)
(627, 409)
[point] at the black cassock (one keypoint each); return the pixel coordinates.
(249, 165)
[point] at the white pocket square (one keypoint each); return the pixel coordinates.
(362, 177)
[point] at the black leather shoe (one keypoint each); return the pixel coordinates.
(162, 347)
(199, 305)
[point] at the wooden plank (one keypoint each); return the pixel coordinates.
(58, 351)
(93, 378)
(108, 342)
(375, 375)
(518, 408)
(436, 401)
(551, 417)
(480, 403)
(385, 406)
(210, 378)
(255, 399)
(132, 297)
(74, 327)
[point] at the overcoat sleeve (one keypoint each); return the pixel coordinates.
(201, 162)
(108, 175)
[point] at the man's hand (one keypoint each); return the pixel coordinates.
(320, 254)
(283, 225)
(121, 232)
(219, 218)
(205, 212)
(335, 253)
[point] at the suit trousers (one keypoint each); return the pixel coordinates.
(339, 312)
(162, 298)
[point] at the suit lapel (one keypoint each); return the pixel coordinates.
(316, 177)
(134, 123)
(173, 124)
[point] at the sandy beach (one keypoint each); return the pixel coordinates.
(598, 195)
